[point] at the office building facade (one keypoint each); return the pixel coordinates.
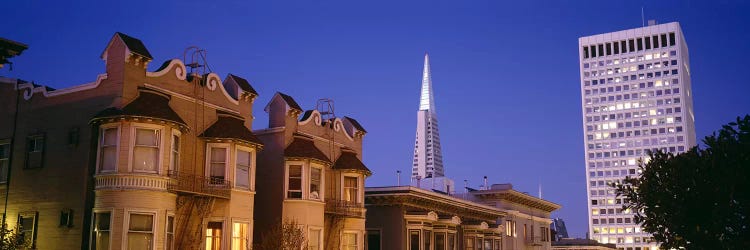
(636, 97)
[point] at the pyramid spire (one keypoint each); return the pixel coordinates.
(426, 100)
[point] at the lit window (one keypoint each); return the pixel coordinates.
(349, 241)
(240, 236)
(294, 182)
(146, 150)
(213, 235)
(141, 231)
(242, 171)
(350, 189)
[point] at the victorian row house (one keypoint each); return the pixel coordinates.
(168, 160)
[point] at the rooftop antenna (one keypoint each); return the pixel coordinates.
(643, 18)
(485, 183)
(398, 178)
(540, 190)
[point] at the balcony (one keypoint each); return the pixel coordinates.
(345, 208)
(131, 181)
(188, 183)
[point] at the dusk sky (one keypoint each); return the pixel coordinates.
(505, 74)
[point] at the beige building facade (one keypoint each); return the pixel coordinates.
(133, 160)
(311, 173)
(407, 217)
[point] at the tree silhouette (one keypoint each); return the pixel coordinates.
(699, 199)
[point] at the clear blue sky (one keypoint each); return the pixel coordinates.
(505, 73)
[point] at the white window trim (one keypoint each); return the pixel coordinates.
(131, 147)
(126, 225)
(321, 239)
(174, 225)
(321, 194)
(171, 150)
(111, 221)
(251, 171)
(228, 176)
(224, 229)
(360, 191)
(99, 147)
(303, 180)
(358, 234)
(249, 231)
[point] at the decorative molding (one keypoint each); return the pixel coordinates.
(179, 70)
(131, 181)
(29, 88)
(213, 80)
(191, 99)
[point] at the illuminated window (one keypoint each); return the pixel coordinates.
(141, 231)
(213, 235)
(146, 150)
(241, 238)
(101, 231)
(294, 182)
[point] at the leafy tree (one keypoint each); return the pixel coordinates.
(288, 235)
(699, 199)
(12, 239)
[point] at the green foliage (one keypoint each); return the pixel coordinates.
(288, 235)
(12, 239)
(699, 199)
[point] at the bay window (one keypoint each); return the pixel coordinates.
(169, 239)
(242, 170)
(108, 142)
(294, 182)
(315, 177)
(101, 231)
(141, 231)
(174, 165)
(217, 165)
(146, 150)
(351, 188)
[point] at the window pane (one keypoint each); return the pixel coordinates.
(145, 158)
(141, 222)
(218, 164)
(146, 137)
(239, 236)
(414, 240)
(218, 155)
(243, 158)
(109, 136)
(315, 183)
(242, 177)
(108, 158)
(213, 236)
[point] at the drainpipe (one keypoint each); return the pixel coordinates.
(10, 156)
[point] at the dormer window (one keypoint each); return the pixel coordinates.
(146, 150)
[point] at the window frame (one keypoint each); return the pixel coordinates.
(320, 237)
(99, 147)
(250, 167)
(160, 146)
(227, 160)
(221, 237)
(248, 237)
(173, 152)
(357, 239)
(321, 182)
(95, 211)
(126, 225)
(6, 172)
(303, 176)
(358, 199)
(34, 228)
(166, 230)
(29, 139)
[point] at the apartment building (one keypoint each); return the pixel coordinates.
(133, 160)
(636, 97)
(311, 172)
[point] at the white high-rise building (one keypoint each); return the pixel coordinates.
(635, 97)
(427, 167)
